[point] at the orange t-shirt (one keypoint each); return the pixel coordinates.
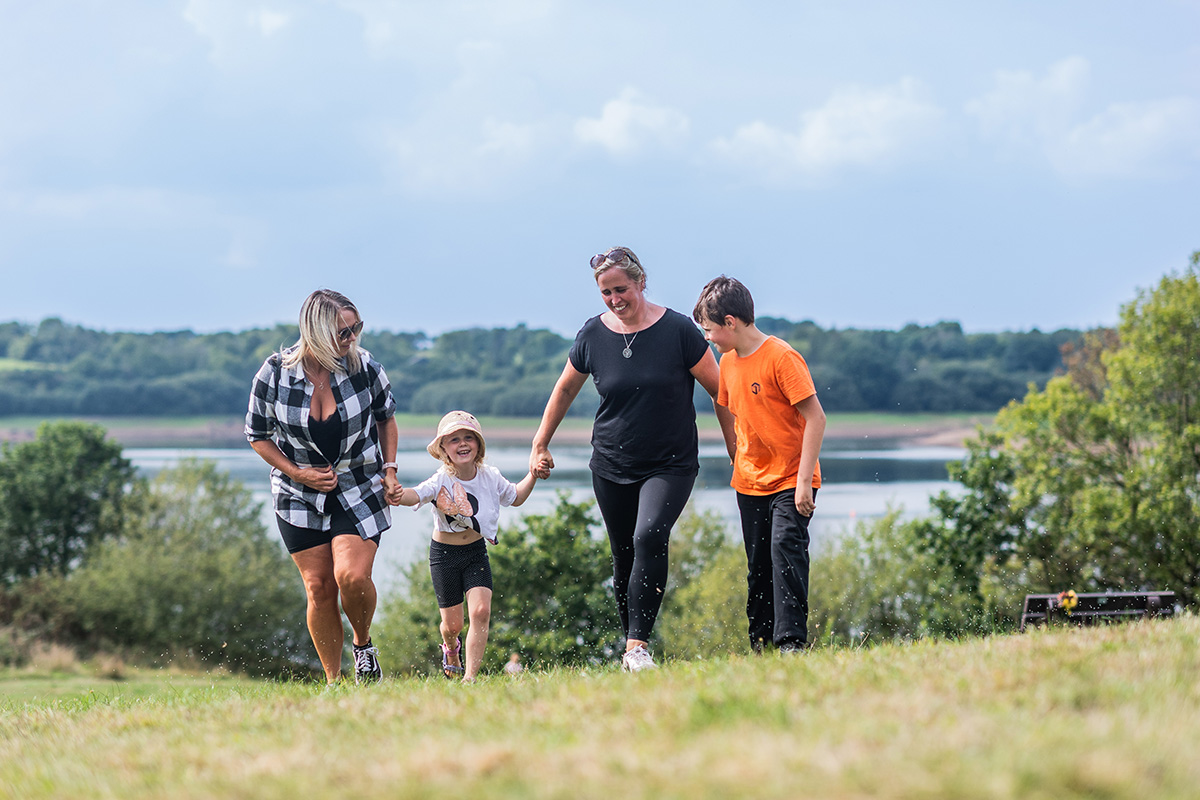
(762, 390)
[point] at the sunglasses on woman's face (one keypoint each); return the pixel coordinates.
(616, 256)
(346, 334)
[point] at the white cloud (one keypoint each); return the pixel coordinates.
(630, 124)
(1130, 139)
(425, 32)
(1044, 115)
(857, 127)
(476, 129)
(425, 159)
(145, 210)
(1023, 108)
(507, 139)
(114, 205)
(232, 29)
(269, 22)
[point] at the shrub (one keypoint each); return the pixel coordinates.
(198, 577)
(876, 584)
(63, 492)
(704, 610)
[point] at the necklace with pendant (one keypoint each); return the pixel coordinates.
(627, 352)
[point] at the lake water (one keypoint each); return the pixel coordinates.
(862, 479)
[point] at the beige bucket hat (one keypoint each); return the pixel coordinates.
(456, 421)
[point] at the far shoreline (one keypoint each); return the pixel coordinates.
(914, 430)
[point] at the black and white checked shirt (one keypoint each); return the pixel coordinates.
(279, 409)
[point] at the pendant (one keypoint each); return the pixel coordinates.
(627, 352)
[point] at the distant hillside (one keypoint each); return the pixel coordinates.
(54, 368)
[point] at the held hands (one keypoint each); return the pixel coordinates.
(540, 462)
(392, 490)
(323, 479)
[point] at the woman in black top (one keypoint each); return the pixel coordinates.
(322, 415)
(644, 359)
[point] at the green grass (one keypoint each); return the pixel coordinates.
(16, 365)
(21, 690)
(1106, 712)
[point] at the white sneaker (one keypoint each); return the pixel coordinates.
(637, 659)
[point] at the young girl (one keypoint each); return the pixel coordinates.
(466, 496)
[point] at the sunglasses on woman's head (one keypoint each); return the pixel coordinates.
(616, 256)
(345, 334)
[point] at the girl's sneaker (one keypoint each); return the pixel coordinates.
(637, 659)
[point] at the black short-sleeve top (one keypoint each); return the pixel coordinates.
(646, 423)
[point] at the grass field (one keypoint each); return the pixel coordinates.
(1111, 712)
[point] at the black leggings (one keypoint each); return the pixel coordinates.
(639, 517)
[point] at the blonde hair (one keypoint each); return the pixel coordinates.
(319, 324)
(621, 258)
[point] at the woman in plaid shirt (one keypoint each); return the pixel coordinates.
(322, 415)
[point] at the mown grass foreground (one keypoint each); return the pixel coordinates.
(1108, 712)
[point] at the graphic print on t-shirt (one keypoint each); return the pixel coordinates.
(459, 508)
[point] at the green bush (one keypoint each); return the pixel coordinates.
(553, 601)
(704, 610)
(406, 625)
(63, 492)
(196, 576)
(876, 584)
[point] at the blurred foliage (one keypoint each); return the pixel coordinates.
(182, 570)
(53, 368)
(875, 583)
(1092, 483)
(63, 493)
(197, 576)
(553, 601)
(704, 608)
(406, 623)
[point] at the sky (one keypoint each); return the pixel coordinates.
(205, 164)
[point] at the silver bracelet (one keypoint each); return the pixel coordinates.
(389, 465)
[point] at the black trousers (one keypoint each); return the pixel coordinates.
(776, 538)
(639, 517)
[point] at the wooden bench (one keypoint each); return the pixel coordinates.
(1088, 608)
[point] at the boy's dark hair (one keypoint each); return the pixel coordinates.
(724, 297)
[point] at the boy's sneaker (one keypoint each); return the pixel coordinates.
(637, 659)
(366, 663)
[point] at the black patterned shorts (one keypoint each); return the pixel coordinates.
(455, 568)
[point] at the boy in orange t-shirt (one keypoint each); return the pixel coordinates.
(779, 422)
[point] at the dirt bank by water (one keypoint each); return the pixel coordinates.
(949, 430)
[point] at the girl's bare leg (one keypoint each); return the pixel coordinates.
(479, 609)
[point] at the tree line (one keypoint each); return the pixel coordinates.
(54, 368)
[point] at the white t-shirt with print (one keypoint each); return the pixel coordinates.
(460, 505)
